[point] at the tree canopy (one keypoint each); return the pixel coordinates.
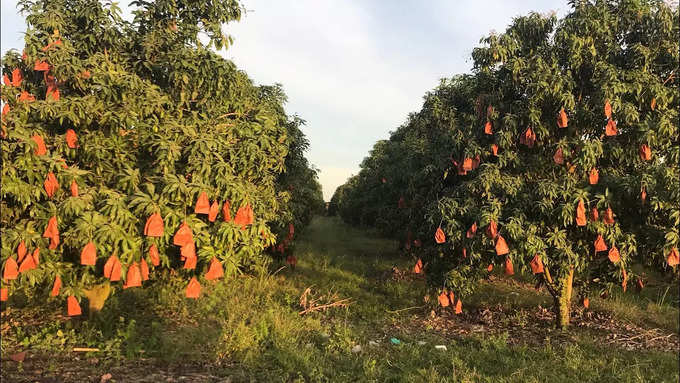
(133, 145)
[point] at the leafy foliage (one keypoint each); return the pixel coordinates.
(143, 117)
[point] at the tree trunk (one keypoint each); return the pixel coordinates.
(563, 301)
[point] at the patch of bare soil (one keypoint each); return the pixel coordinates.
(82, 370)
(536, 328)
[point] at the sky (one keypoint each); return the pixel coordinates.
(353, 69)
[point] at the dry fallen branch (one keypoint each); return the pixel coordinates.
(341, 303)
(406, 309)
(309, 303)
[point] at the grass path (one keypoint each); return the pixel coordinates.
(248, 329)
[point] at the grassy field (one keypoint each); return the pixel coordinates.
(249, 328)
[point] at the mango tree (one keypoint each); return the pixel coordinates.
(133, 146)
(563, 150)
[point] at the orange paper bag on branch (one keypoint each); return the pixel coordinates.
(154, 226)
(528, 138)
(71, 139)
(244, 216)
(41, 66)
(190, 263)
(133, 277)
(645, 152)
(614, 255)
(52, 92)
(580, 214)
(27, 264)
(443, 299)
(226, 212)
(492, 229)
(144, 269)
(26, 97)
(509, 269)
(88, 256)
(558, 157)
(112, 269)
(17, 77)
(188, 251)
(536, 265)
(51, 184)
(472, 230)
(193, 289)
(439, 235)
(52, 232)
(74, 188)
(36, 256)
(215, 270)
(21, 251)
(202, 204)
(40, 149)
(501, 246)
(56, 287)
(594, 214)
(467, 164)
(673, 258)
(72, 306)
(183, 236)
(599, 244)
(562, 119)
(154, 255)
(10, 269)
(608, 217)
(610, 129)
(214, 210)
(418, 268)
(607, 110)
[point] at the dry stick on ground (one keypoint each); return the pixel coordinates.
(408, 308)
(310, 304)
(341, 303)
(660, 337)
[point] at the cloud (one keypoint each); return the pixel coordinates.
(328, 57)
(354, 69)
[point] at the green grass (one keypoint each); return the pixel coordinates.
(248, 328)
